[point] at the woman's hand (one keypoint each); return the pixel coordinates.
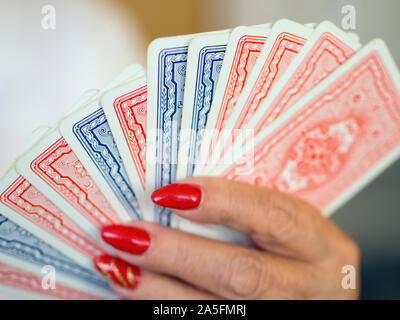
(298, 253)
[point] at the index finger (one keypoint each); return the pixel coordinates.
(276, 222)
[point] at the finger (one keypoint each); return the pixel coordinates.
(144, 284)
(276, 221)
(224, 269)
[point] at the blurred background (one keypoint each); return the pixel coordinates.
(43, 72)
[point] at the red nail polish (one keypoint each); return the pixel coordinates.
(126, 238)
(117, 270)
(177, 196)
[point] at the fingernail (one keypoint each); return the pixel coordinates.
(126, 238)
(177, 196)
(117, 270)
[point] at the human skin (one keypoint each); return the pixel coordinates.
(297, 252)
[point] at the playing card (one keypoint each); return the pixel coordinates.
(244, 46)
(166, 79)
(267, 25)
(25, 205)
(335, 139)
(354, 36)
(53, 168)
(285, 41)
(204, 62)
(21, 249)
(35, 137)
(165, 94)
(131, 72)
(126, 108)
(26, 285)
(327, 48)
(88, 134)
(323, 52)
(85, 98)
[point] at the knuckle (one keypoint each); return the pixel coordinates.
(351, 253)
(220, 199)
(231, 209)
(282, 217)
(181, 258)
(244, 275)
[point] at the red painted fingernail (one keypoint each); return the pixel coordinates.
(177, 196)
(126, 238)
(117, 270)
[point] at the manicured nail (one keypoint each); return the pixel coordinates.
(117, 270)
(177, 196)
(126, 238)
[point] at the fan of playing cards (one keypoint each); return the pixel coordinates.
(303, 109)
